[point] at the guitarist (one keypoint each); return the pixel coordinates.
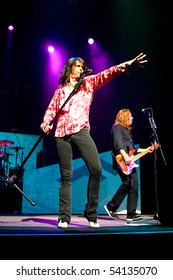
(122, 145)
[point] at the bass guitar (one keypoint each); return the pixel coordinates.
(127, 168)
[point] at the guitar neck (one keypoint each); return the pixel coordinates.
(140, 155)
(145, 152)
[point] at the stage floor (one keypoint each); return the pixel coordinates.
(47, 225)
(40, 235)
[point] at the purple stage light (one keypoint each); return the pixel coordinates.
(50, 49)
(10, 27)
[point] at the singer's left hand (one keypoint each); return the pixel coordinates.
(139, 60)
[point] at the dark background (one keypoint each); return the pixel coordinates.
(125, 28)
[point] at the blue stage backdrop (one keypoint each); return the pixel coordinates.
(41, 185)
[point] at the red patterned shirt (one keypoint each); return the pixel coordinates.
(74, 115)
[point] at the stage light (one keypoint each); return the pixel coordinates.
(51, 49)
(10, 27)
(90, 41)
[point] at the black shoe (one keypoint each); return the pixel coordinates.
(111, 214)
(135, 217)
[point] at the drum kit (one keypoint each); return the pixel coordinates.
(12, 176)
(5, 155)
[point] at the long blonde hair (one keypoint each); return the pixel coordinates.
(122, 118)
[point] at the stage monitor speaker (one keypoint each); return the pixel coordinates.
(165, 210)
(10, 199)
(166, 219)
(165, 195)
(10, 196)
(47, 157)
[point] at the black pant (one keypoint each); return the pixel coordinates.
(88, 150)
(128, 187)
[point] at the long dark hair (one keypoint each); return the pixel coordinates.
(65, 73)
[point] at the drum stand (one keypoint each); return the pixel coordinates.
(4, 177)
(4, 163)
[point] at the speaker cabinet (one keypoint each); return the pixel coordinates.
(10, 196)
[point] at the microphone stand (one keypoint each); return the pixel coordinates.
(12, 180)
(156, 141)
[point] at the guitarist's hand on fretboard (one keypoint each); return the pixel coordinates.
(151, 148)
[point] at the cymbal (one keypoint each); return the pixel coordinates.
(6, 142)
(16, 148)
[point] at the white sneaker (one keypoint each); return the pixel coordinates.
(62, 224)
(94, 224)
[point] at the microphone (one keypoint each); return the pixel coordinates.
(86, 71)
(146, 109)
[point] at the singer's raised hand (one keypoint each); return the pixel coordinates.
(140, 60)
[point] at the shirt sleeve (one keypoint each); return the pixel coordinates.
(117, 134)
(51, 110)
(102, 78)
